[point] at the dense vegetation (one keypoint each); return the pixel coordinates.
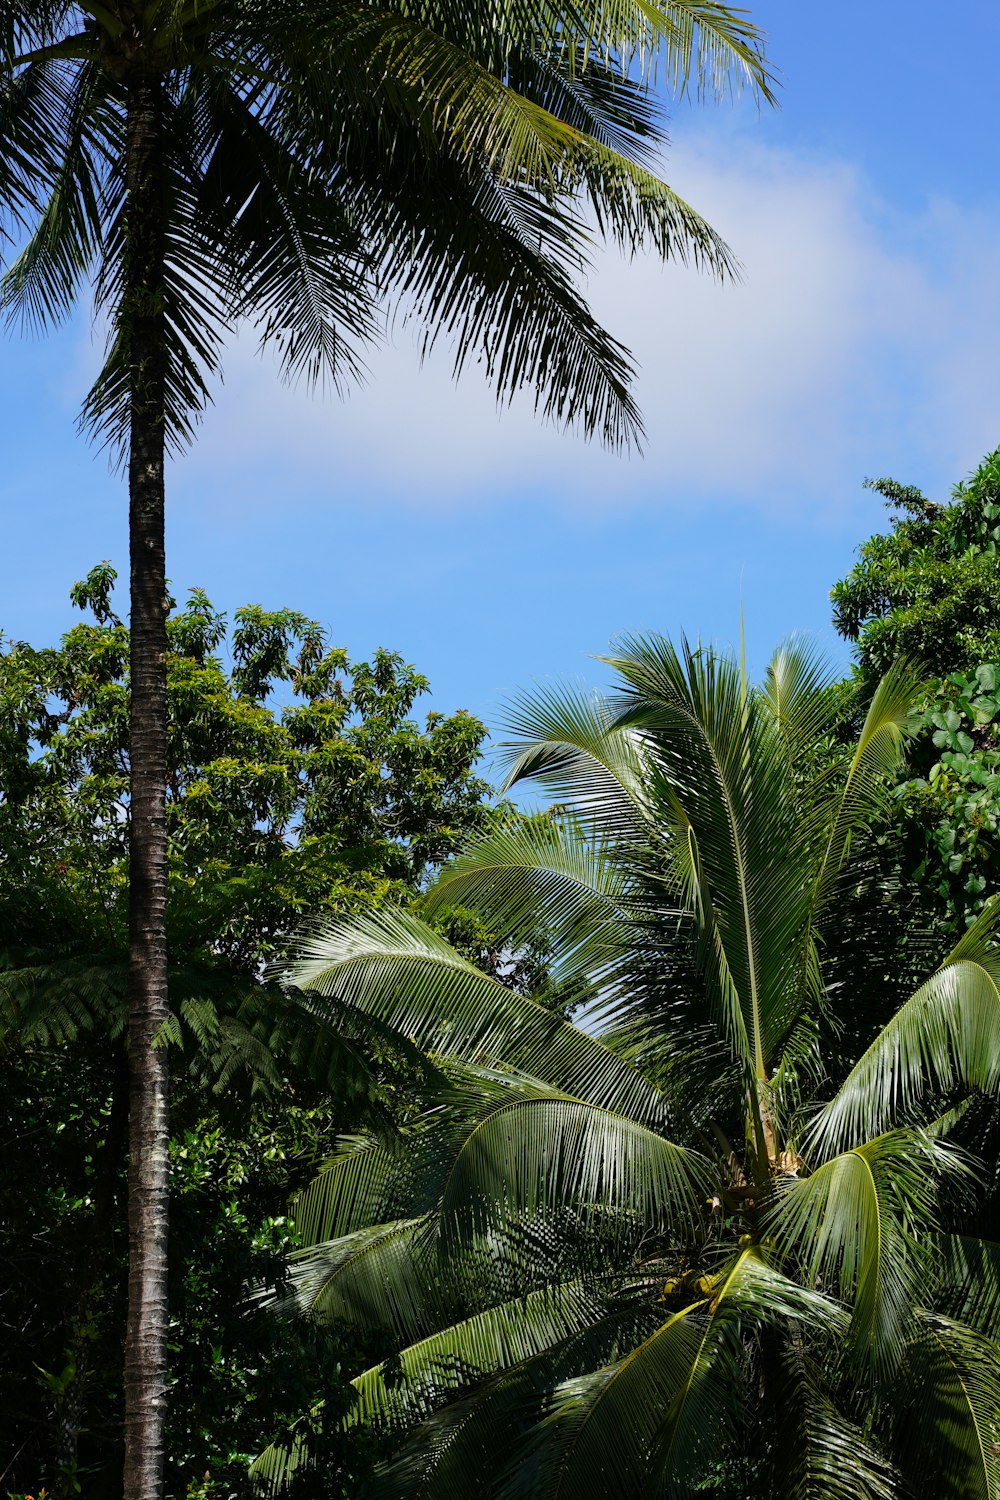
(735, 1236)
(338, 800)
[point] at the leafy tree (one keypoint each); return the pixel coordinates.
(285, 165)
(63, 1276)
(338, 801)
(671, 1253)
(930, 591)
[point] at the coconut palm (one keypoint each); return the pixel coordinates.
(291, 165)
(690, 1246)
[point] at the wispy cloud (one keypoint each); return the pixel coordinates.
(856, 343)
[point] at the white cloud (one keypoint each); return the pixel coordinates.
(855, 344)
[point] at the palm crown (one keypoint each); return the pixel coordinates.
(688, 1248)
(305, 159)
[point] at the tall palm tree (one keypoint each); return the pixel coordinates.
(208, 163)
(691, 1247)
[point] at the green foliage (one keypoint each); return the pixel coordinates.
(334, 803)
(670, 1254)
(234, 1367)
(930, 591)
(337, 800)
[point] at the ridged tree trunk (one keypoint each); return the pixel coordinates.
(145, 1339)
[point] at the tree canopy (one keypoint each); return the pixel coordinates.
(335, 799)
(929, 591)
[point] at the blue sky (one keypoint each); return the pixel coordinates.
(494, 554)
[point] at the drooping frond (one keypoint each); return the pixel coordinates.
(817, 1452)
(969, 1282)
(946, 1036)
(69, 105)
(567, 743)
(865, 790)
(357, 1186)
(369, 1279)
(947, 1427)
(396, 968)
(496, 1339)
(700, 45)
(547, 877)
(863, 1222)
(534, 1152)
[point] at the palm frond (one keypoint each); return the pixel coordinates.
(495, 1339)
(865, 791)
(533, 1152)
(863, 1222)
(968, 1287)
(946, 1036)
(947, 1428)
(41, 286)
(817, 1451)
(660, 1420)
(564, 1327)
(359, 1184)
(796, 692)
(546, 877)
(741, 858)
(397, 969)
(370, 1279)
(567, 742)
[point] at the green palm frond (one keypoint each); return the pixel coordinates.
(699, 45)
(367, 1279)
(740, 855)
(522, 1342)
(864, 1222)
(949, 1423)
(567, 743)
(817, 1451)
(969, 1282)
(635, 209)
(394, 967)
(668, 1410)
(534, 1152)
(549, 877)
(317, 161)
(946, 1036)
(295, 255)
(866, 789)
(359, 1184)
(496, 1339)
(476, 1435)
(797, 693)
(41, 286)
(476, 280)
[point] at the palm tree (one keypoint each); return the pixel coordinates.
(205, 164)
(689, 1247)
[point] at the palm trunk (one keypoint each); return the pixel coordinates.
(145, 1339)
